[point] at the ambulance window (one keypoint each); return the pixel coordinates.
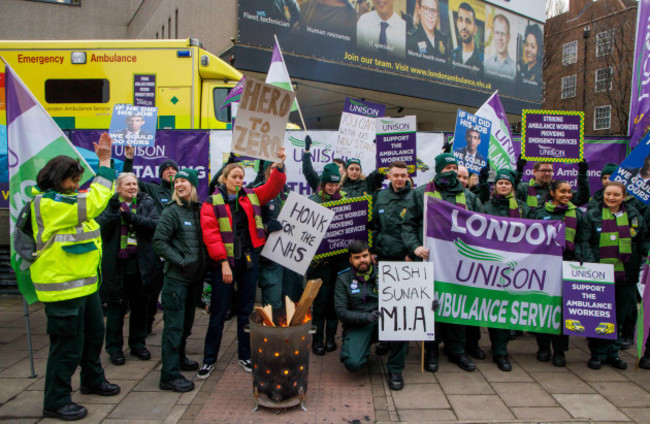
(219, 95)
(77, 91)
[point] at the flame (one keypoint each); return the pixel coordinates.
(307, 318)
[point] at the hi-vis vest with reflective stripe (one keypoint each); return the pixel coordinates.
(68, 240)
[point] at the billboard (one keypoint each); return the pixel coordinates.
(462, 43)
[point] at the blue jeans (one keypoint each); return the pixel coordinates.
(246, 280)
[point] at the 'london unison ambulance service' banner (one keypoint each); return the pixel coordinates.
(493, 271)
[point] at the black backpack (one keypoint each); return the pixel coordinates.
(23, 237)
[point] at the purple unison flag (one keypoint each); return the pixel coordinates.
(640, 98)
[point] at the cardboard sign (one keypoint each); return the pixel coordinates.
(350, 223)
(589, 300)
(261, 120)
(357, 132)
(405, 298)
(304, 223)
(634, 171)
(134, 125)
(472, 141)
(552, 135)
(396, 140)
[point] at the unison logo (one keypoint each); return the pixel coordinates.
(363, 109)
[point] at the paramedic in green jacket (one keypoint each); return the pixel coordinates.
(534, 192)
(356, 300)
(65, 277)
(445, 186)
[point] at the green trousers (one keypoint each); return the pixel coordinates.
(356, 349)
(324, 314)
(276, 281)
(76, 330)
(179, 303)
(134, 300)
(498, 338)
(453, 335)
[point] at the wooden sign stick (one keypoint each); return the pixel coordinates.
(307, 298)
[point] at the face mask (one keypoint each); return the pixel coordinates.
(447, 179)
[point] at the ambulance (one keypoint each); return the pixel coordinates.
(79, 82)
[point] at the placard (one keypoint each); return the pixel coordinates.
(262, 119)
(589, 300)
(304, 223)
(396, 140)
(144, 90)
(471, 141)
(406, 295)
(634, 171)
(350, 223)
(552, 135)
(357, 132)
(134, 125)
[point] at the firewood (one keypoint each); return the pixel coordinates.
(307, 298)
(266, 313)
(290, 308)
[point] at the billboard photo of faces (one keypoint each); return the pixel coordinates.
(457, 42)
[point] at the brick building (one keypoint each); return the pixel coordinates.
(589, 53)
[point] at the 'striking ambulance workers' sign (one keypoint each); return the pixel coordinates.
(405, 300)
(133, 125)
(493, 271)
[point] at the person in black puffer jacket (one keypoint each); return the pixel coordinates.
(130, 268)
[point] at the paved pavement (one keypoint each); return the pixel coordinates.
(532, 392)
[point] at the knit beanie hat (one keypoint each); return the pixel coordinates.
(608, 169)
(443, 160)
(505, 174)
(330, 174)
(166, 164)
(189, 174)
(352, 161)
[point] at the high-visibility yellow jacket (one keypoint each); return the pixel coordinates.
(68, 239)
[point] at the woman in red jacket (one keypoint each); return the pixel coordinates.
(231, 220)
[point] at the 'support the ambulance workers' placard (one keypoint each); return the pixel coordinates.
(350, 223)
(493, 271)
(634, 171)
(304, 223)
(134, 125)
(261, 120)
(552, 135)
(405, 299)
(396, 142)
(589, 300)
(357, 132)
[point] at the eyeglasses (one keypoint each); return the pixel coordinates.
(428, 10)
(545, 171)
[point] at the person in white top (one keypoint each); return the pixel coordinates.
(382, 30)
(501, 65)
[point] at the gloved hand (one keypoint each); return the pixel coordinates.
(127, 215)
(521, 163)
(114, 203)
(374, 316)
(307, 143)
(583, 167)
(579, 258)
(446, 147)
(484, 174)
(435, 305)
(273, 226)
(378, 180)
(232, 159)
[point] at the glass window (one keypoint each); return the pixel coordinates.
(77, 91)
(602, 117)
(219, 96)
(569, 86)
(603, 79)
(570, 53)
(604, 43)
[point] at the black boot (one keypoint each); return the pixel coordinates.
(431, 359)
(645, 361)
(330, 344)
(318, 348)
(69, 412)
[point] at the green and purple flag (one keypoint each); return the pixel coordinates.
(501, 153)
(640, 98)
(495, 272)
(278, 74)
(33, 139)
(235, 93)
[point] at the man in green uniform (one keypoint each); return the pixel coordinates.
(356, 300)
(444, 186)
(534, 192)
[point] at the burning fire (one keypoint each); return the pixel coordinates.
(290, 315)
